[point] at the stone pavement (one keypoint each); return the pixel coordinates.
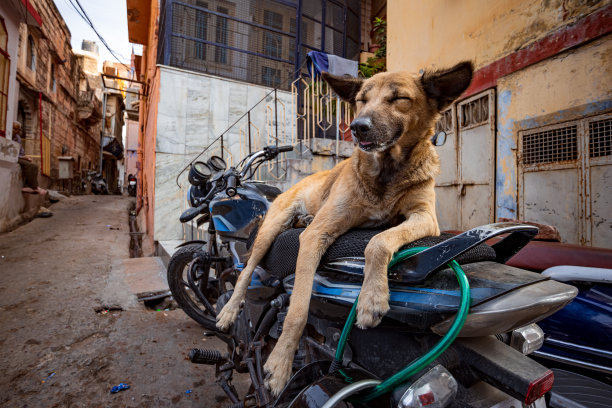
(61, 346)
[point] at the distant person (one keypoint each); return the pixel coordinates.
(17, 137)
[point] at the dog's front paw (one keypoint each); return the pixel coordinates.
(228, 315)
(372, 307)
(278, 372)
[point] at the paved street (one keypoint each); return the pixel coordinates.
(58, 351)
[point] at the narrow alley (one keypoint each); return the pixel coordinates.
(61, 348)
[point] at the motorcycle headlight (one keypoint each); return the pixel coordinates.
(193, 194)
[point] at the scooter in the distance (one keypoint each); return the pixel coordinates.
(455, 336)
(132, 183)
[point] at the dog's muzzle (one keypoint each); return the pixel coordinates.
(361, 129)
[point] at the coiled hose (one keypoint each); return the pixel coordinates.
(420, 363)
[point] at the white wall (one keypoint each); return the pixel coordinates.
(193, 110)
(11, 20)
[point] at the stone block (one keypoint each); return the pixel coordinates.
(9, 150)
(144, 276)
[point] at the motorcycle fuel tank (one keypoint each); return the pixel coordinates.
(236, 217)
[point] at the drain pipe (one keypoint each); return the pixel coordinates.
(135, 234)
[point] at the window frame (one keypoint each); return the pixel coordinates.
(4, 87)
(31, 53)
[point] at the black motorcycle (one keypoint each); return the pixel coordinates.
(132, 183)
(486, 365)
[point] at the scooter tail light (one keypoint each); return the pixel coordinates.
(433, 390)
(539, 387)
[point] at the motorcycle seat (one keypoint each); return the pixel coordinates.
(282, 256)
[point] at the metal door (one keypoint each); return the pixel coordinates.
(465, 188)
(565, 176)
(598, 181)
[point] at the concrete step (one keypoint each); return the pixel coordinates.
(133, 280)
(165, 250)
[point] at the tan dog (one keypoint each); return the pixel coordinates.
(389, 179)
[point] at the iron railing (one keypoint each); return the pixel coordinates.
(311, 110)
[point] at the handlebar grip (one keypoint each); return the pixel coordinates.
(282, 149)
(230, 188)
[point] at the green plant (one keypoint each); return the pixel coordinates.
(377, 63)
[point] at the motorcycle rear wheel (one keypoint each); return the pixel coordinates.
(178, 268)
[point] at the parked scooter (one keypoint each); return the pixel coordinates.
(131, 185)
(485, 366)
(97, 182)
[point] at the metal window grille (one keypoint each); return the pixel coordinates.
(237, 39)
(600, 138)
(475, 112)
(271, 77)
(550, 146)
(445, 124)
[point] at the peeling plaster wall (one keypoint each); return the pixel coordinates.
(572, 85)
(11, 199)
(193, 110)
(440, 33)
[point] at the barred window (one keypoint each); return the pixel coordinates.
(221, 36)
(600, 138)
(236, 39)
(551, 146)
(201, 30)
(270, 76)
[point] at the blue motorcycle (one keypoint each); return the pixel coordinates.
(486, 365)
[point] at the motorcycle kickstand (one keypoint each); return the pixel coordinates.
(254, 365)
(224, 378)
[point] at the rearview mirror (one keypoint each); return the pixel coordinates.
(439, 139)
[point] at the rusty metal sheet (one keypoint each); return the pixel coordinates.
(476, 159)
(552, 197)
(601, 206)
(447, 207)
(475, 206)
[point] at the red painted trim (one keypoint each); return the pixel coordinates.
(41, 133)
(588, 28)
(32, 11)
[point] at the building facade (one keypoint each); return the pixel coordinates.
(217, 67)
(530, 139)
(59, 112)
(14, 206)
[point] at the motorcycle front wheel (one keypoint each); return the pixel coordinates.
(179, 283)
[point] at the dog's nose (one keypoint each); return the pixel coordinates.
(361, 126)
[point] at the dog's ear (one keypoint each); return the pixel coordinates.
(346, 87)
(444, 86)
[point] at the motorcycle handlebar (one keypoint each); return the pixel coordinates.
(230, 188)
(282, 149)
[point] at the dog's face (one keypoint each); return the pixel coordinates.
(390, 106)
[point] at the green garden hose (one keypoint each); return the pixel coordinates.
(417, 365)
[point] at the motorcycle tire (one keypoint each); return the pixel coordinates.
(184, 296)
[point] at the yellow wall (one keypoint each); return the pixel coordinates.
(438, 33)
(570, 86)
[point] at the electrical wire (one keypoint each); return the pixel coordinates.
(83, 14)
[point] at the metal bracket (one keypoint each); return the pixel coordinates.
(417, 268)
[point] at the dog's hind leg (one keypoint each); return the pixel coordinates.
(279, 218)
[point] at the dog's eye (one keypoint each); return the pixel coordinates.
(401, 98)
